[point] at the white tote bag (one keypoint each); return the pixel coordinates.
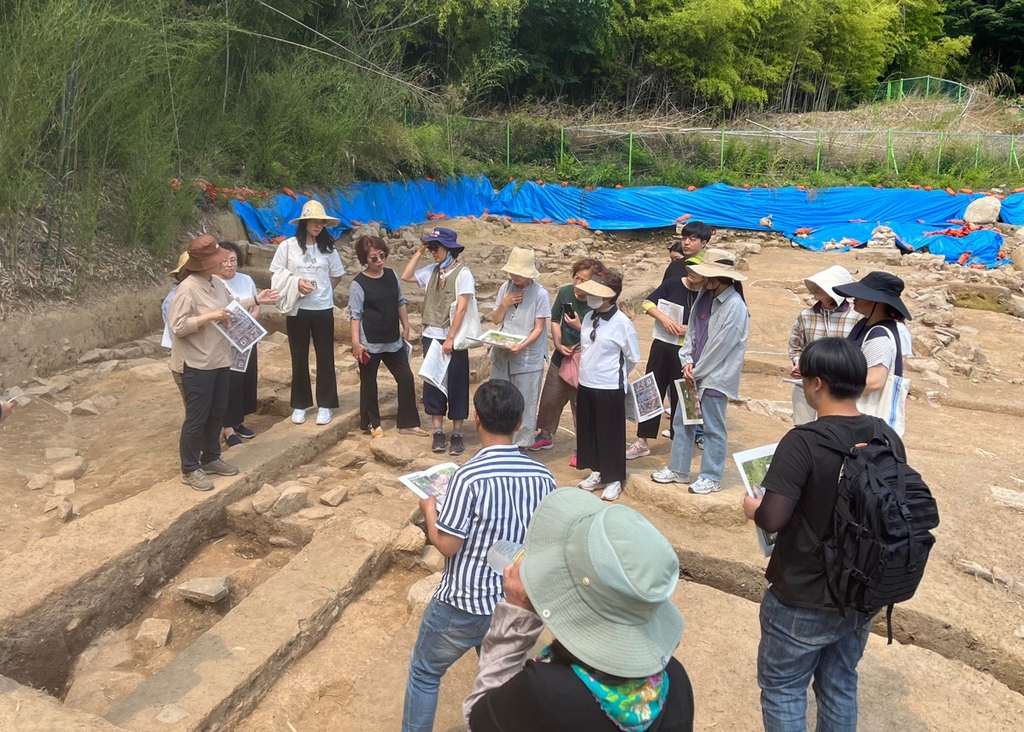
(890, 402)
(470, 327)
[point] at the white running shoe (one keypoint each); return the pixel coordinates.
(705, 485)
(637, 450)
(298, 416)
(324, 416)
(591, 482)
(667, 475)
(612, 491)
(666, 433)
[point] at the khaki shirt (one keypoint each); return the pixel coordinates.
(205, 347)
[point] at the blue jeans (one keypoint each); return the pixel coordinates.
(712, 461)
(798, 644)
(446, 633)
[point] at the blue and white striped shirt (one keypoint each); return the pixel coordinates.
(490, 498)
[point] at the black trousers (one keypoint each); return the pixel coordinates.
(601, 432)
(242, 393)
(663, 362)
(457, 402)
(369, 408)
(318, 325)
(206, 398)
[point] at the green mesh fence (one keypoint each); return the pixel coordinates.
(927, 87)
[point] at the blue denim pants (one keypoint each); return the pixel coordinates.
(712, 461)
(799, 644)
(446, 633)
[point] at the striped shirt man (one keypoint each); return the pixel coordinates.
(491, 498)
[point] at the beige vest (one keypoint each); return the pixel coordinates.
(438, 299)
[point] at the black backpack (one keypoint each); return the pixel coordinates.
(881, 527)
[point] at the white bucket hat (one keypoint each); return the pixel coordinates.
(827, 279)
(521, 262)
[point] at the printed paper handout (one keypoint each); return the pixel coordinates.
(672, 310)
(434, 370)
(689, 402)
(242, 330)
(431, 482)
(643, 401)
(240, 359)
(753, 466)
(500, 339)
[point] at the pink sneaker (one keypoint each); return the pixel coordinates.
(542, 443)
(572, 460)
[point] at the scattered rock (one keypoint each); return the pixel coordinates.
(265, 498)
(311, 480)
(95, 356)
(40, 481)
(150, 372)
(106, 367)
(63, 487)
(276, 337)
(315, 513)
(65, 510)
(282, 541)
(205, 590)
(392, 451)
(432, 559)
(421, 592)
(410, 539)
(347, 458)
(69, 468)
(154, 632)
(335, 497)
(984, 210)
(373, 531)
(1007, 497)
(85, 409)
(60, 453)
(292, 499)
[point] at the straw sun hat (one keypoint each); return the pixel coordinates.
(181, 263)
(718, 263)
(601, 579)
(521, 262)
(314, 210)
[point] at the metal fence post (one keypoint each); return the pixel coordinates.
(629, 174)
(1013, 154)
(888, 90)
(892, 153)
(901, 90)
(927, 86)
(938, 162)
(508, 144)
(817, 163)
(721, 153)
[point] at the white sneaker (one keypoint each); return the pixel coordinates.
(591, 482)
(666, 433)
(637, 450)
(667, 475)
(612, 491)
(324, 416)
(298, 416)
(705, 485)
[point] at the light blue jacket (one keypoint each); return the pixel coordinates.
(721, 361)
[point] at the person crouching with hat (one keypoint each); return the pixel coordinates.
(830, 316)
(202, 355)
(306, 270)
(445, 282)
(877, 297)
(601, 579)
(610, 350)
(712, 358)
(523, 308)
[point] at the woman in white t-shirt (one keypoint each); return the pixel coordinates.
(877, 298)
(310, 256)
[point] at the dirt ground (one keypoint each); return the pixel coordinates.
(131, 445)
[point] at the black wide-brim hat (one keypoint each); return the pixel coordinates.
(877, 287)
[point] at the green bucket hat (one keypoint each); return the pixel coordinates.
(601, 579)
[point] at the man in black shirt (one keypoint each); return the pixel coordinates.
(803, 634)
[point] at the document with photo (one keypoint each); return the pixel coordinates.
(242, 330)
(753, 466)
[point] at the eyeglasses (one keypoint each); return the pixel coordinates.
(231, 260)
(577, 279)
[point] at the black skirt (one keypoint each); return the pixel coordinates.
(601, 432)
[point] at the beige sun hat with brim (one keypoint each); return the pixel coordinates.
(314, 211)
(598, 289)
(181, 263)
(718, 263)
(521, 262)
(834, 276)
(601, 577)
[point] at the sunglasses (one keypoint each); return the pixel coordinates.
(377, 257)
(593, 331)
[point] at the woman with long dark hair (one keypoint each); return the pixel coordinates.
(312, 260)
(242, 389)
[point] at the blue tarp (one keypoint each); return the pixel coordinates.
(831, 214)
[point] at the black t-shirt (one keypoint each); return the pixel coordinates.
(808, 473)
(675, 291)
(675, 269)
(549, 697)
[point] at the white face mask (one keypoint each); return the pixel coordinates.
(594, 301)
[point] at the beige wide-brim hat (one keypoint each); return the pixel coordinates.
(834, 276)
(595, 288)
(314, 211)
(718, 263)
(521, 262)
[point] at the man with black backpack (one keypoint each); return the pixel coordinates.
(853, 523)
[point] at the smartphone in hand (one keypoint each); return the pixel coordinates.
(567, 310)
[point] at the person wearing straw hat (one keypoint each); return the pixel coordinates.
(712, 358)
(202, 355)
(165, 341)
(444, 282)
(610, 350)
(877, 297)
(600, 578)
(830, 316)
(523, 308)
(310, 256)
